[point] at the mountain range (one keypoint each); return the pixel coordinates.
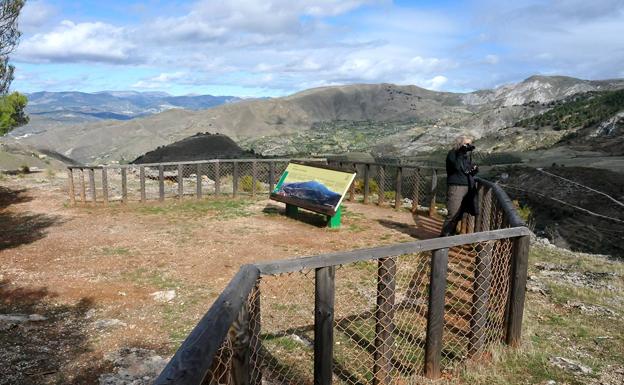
(387, 118)
(51, 109)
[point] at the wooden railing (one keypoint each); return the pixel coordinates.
(380, 183)
(231, 342)
(161, 181)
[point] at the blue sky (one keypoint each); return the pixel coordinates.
(277, 47)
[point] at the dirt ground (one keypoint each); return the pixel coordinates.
(87, 275)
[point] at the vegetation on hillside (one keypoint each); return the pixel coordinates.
(12, 113)
(329, 137)
(579, 111)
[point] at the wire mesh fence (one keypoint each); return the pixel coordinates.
(380, 317)
(174, 181)
(392, 184)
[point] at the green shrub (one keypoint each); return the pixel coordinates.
(389, 195)
(373, 187)
(24, 169)
(246, 184)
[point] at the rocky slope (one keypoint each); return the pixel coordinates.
(427, 119)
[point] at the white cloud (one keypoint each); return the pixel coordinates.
(436, 82)
(81, 42)
(35, 15)
(249, 21)
(161, 80)
(492, 59)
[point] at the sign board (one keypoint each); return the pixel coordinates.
(319, 187)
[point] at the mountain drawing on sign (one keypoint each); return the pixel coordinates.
(311, 191)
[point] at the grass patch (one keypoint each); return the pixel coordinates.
(222, 209)
(144, 277)
(110, 251)
(551, 328)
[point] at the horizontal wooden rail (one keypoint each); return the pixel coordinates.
(207, 161)
(505, 202)
(314, 262)
(194, 358)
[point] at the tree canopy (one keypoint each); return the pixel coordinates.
(12, 111)
(9, 37)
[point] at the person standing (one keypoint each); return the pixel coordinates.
(461, 189)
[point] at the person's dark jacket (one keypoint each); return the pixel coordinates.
(457, 167)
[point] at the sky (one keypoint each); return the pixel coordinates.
(278, 47)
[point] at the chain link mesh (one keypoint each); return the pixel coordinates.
(380, 318)
(476, 299)
(244, 178)
(380, 312)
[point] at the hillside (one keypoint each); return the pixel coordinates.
(49, 110)
(418, 120)
(578, 208)
(197, 147)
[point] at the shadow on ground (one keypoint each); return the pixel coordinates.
(18, 228)
(425, 227)
(304, 216)
(44, 345)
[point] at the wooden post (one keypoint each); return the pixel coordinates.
(519, 265)
(367, 167)
(479, 218)
(480, 298)
(470, 224)
(416, 192)
(235, 179)
(324, 324)
(381, 196)
(253, 179)
(70, 181)
(486, 210)
(240, 338)
(463, 224)
(352, 187)
(161, 182)
(124, 185)
(217, 180)
(399, 181)
(271, 177)
(384, 317)
(142, 181)
(105, 185)
(83, 188)
(435, 314)
(255, 360)
(180, 181)
(198, 182)
(92, 184)
(434, 188)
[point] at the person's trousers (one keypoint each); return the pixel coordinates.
(456, 203)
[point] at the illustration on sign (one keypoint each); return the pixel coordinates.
(315, 185)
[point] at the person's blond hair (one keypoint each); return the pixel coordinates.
(459, 141)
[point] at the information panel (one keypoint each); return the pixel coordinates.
(318, 186)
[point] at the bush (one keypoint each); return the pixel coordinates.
(373, 187)
(24, 169)
(246, 184)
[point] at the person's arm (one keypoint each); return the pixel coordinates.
(455, 163)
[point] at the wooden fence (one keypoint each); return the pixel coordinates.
(380, 183)
(396, 313)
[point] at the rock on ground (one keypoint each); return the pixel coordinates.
(133, 366)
